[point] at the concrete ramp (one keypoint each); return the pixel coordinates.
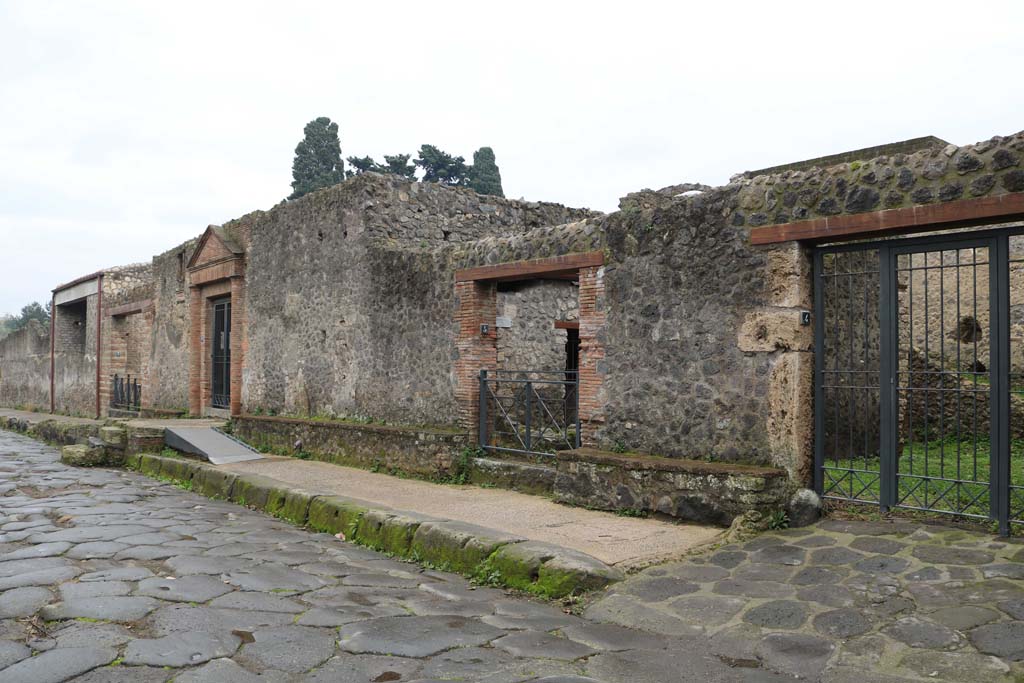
(209, 443)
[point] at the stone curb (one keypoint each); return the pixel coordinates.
(484, 554)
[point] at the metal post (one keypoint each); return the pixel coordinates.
(888, 460)
(529, 409)
(819, 367)
(579, 425)
(999, 421)
(482, 434)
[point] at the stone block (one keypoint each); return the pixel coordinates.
(329, 514)
(570, 571)
(804, 508)
(458, 546)
(175, 469)
(535, 479)
(83, 455)
(254, 490)
(774, 329)
(150, 464)
(114, 437)
(217, 483)
(289, 503)
(519, 563)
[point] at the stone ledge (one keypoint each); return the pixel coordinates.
(475, 551)
(697, 491)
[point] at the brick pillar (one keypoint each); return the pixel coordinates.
(238, 343)
(592, 366)
(195, 351)
(476, 305)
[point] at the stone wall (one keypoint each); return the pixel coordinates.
(531, 341)
(167, 379)
(25, 368)
(74, 361)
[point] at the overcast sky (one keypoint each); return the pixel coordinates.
(128, 127)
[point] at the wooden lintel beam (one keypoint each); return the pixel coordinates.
(947, 215)
(555, 267)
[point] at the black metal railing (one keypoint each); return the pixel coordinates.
(532, 412)
(126, 393)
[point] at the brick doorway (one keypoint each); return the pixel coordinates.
(477, 343)
(216, 325)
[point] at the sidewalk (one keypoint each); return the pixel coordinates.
(624, 542)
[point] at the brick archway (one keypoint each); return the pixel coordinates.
(476, 305)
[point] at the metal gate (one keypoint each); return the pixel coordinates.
(221, 360)
(529, 412)
(919, 374)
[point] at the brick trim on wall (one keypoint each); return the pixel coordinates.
(592, 333)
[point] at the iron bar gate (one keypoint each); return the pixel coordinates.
(919, 374)
(126, 393)
(529, 412)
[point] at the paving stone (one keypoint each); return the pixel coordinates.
(14, 568)
(780, 554)
(926, 574)
(956, 666)
(361, 669)
(95, 549)
(11, 652)
(1009, 571)
(537, 644)
(616, 638)
(57, 665)
(918, 632)
(778, 573)
(795, 653)
(275, 578)
(648, 666)
(874, 545)
(40, 550)
(786, 614)
(182, 617)
(1004, 640)
(181, 649)
(259, 602)
(881, 563)
(860, 528)
(91, 634)
(1015, 608)
(93, 589)
(192, 588)
(815, 541)
(842, 623)
(149, 538)
(182, 565)
(379, 580)
(659, 589)
(105, 608)
(490, 664)
(964, 617)
(727, 559)
(753, 589)
(23, 602)
(813, 576)
(227, 671)
(695, 572)
(539, 622)
(625, 610)
(294, 649)
(117, 574)
(838, 555)
(415, 636)
(940, 554)
(706, 610)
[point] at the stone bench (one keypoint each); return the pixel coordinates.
(688, 489)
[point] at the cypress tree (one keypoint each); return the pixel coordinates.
(317, 161)
(484, 176)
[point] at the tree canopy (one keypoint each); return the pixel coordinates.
(441, 167)
(396, 164)
(484, 176)
(317, 161)
(33, 311)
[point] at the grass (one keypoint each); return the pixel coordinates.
(922, 466)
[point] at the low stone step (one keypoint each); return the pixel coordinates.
(518, 476)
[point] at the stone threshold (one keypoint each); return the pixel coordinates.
(488, 555)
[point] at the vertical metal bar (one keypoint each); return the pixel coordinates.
(819, 367)
(999, 415)
(529, 410)
(888, 405)
(579, 423)
(482, 430)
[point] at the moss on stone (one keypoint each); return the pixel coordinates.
(334, 515)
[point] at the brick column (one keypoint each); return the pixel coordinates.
(238, 343)
(195, 351)
(592, 365)
(476, 304)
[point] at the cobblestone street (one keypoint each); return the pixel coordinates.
(109, 576)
